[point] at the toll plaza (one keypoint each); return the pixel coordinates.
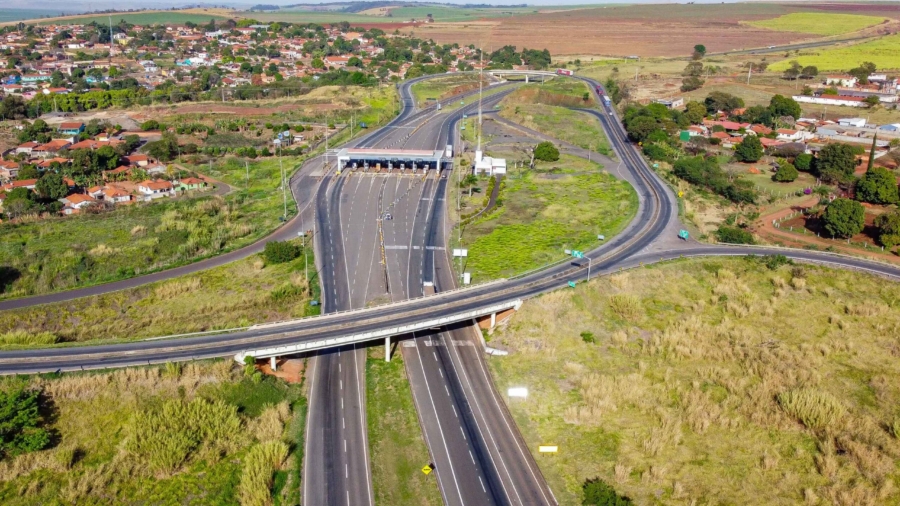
(387, 160)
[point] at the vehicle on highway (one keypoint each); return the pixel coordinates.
(387, 216)
(565, 72)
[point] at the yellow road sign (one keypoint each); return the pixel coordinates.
(427, 470)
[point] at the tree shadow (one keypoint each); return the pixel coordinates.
(8, 276)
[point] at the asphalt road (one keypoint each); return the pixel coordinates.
(791, 47)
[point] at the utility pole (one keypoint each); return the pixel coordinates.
(283, 184)
(750, 71)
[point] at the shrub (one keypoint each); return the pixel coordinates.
(749, 150)
(888, 228)
(877, 186)
(844, 218)
(24, 338)
(587, 337)
(803, 162)
(733, 235)
(817, 410)
(546, 152)
(786, 173)
(599, 493)
(259, 465)
(279, 252)
(21, 422)
(627, 307)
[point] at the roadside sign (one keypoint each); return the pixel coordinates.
(460, 252)
(467, 278)
(427, 469)
(655, 165)
(462, 127)
(683, 234)
(571, 284)
(601, 237)
(517, 392)
(680, 194)
(548, 449)
(578, 254)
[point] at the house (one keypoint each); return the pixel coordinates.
(70, 128)
(788, 135)
(22, 183)
(191, 183)
(8, 170)
(852, 122)
(845, 80)
(155, 189)
(671, 103)
(51, 148)
(75, 202)
(138, 160)
(893, 127)
(119, 172)
(770, 143)
(760, 130)
(336, 61)
(116, 195)
(488, 165)
(26, 148)
(832, 100)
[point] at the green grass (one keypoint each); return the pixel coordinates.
(702, 394)
(299, 16)
(438, 87)
(818, 23)
(234, 295)
(884, 52)
(61, 253)
(397, 448)
(94, 414)
(574, 127)
(142, 18)
(445, 14)
(562, 205)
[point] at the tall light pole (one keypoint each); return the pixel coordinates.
(283, 184)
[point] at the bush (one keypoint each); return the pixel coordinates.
(888, 228)
(803, 162)
(599, 493)
(877, 186)
(279, 252)
(733, 235)
(150, 125)
(546, 152)
(817, 410)
(706, 172)
(786, 173)
(588, 337)
(749, 150)
(21, 422)
(844, 218)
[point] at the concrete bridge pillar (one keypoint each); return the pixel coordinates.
(387, 349)
(273, 363)
(526, 78)
(493, 321)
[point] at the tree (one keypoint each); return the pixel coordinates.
(19, 202)
(836, 163)
(806, 91)
(733, 235)
(878, 186)
(784, 106)
(749, 150)
(29, 171)
(699, 51)
(640, 127)
(279, 252)
(21, 422)
(51, 186)
(863, 72)
(599, 493)
(872, 100)
(546, 152)
(803, 162)
(691, 83)
(871, 162)
(695, 112)
(720, 101)
(844, 218)
(786, 173)
(888, 228)
(12, 107)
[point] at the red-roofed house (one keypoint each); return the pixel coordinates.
(26, 148)
(75, 202)
(191, 183)
(51, 148)
(154, 189)
(22, 183)
(70, 128)
(769, 143)
(8, 170)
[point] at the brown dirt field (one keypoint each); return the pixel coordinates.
(243, 111)
(643, 30)
(288, 369)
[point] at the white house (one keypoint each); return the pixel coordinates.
(852, 122)
(488, 165)
(154, 189)
(847, 81)
(788, 135)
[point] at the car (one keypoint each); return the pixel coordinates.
(387, 216)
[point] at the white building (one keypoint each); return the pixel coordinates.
(852, 122)
(488, 165)
(841, 80)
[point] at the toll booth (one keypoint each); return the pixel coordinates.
(390, 159)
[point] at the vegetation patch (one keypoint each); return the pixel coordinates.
(398, 450)
(157, 435)
(740, 381)
(883, 52)
(238, 294)
(818, 23)
(560, 205)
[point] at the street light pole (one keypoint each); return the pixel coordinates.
(283, 187)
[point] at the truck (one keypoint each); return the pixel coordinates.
(606, 100)
(599, 90)
(565, 72)
(449, 152)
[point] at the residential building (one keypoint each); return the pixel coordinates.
(76, 202)
(488, 165)
(70, 128)
(852, 122)
(671, 103)
(155, 189)
(845, 80)
(191, 183)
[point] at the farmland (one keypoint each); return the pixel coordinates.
(883, 52)
(818, 23)
(680, 383)
(105, 426)
(560, 205)
(141, 18)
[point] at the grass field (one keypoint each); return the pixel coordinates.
(884, 52)
(141, 18)
(445, 14)
(99, 419)
(397, 449)
(818, 23)
(439, 87)
(66, 252)
(234, 295)
(561, 205)
(318, 17)
(713, 382)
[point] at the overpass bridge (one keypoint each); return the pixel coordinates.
(386, 332)
(527, 73)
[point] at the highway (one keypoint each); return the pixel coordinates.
(479, 455)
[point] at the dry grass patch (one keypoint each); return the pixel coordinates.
(732, 383)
